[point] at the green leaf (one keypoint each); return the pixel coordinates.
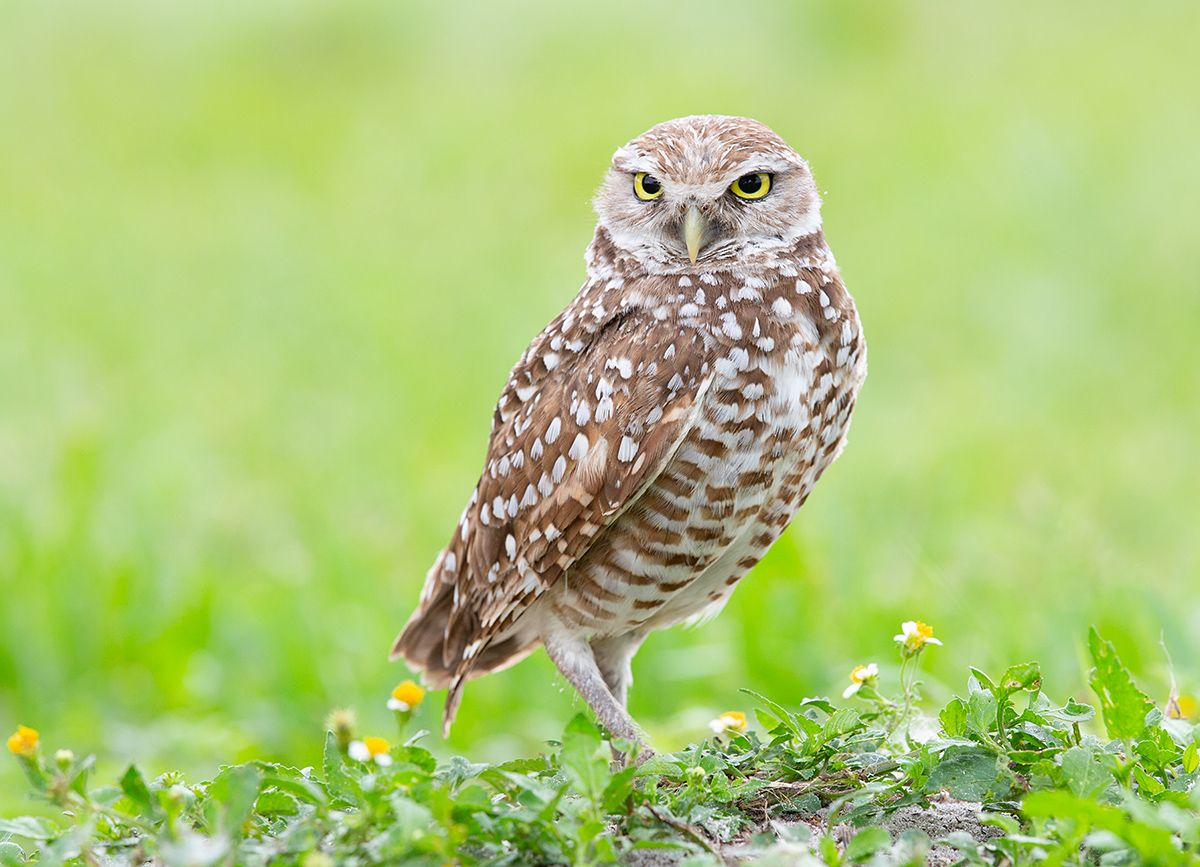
(970, 774)
(954, 718)
(585, 768)
(618, 790)
(1073, 712)
(783, 714)
(867, 842)
(133, 784)
(11, 855)
(232, 795)
(984, 681)
(981, 712)
(1191, 758)
(1123, 705)
(1148, 787)
(276, 803)
(1026, 676)
(843, 721)
(337, 776)
(1085, 776)
(29, 827)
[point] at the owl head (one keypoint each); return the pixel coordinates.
(705, 193)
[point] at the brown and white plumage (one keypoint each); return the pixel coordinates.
(661, 432)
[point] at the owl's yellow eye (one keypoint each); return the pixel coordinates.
(753, 186)
(646, 187)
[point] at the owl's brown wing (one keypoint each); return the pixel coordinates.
(587, 419)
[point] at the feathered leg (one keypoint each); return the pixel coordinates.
(613, 656)
(573, 657)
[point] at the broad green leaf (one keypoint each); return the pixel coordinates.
(30, 827)
(866, 843)
(11, 855)
(1085, 776)
(276, 803)
(337, 777)
(300, 788)
(970, 774)
(1073, 712)
(584, 767)
(1148, 786)
(1191, 758)
(1026, 676)
(981, 712)
(954, 718)
(1123, 705)
(618, 790)
(843, 721)
(232, 795)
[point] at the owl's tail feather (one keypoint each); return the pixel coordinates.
(422, 644)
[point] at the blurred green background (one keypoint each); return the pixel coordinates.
(264, 268)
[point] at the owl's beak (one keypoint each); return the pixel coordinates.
(693, 230)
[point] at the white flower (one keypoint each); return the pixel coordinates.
(730, 721)
(914, 635)
(371, 749)
(860, 675)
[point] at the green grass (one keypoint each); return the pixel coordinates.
(264, 267)
(1013, 776)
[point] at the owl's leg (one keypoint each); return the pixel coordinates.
(573, 657)
(613, 655)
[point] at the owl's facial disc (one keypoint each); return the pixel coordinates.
(706, 193)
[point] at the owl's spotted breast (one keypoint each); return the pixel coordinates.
(788, 358)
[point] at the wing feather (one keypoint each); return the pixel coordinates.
(590, 415)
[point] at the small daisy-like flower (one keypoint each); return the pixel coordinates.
(405, 697)
(914, 635)
(862, 674)
(23, 742)
(732, 721)
(371, 749)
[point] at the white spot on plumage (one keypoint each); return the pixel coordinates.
(579, 448)
(729, 324)
(553, 429)
(584, 414)
(510, 546)
(627, 450)
(537, 449)
(560, 469)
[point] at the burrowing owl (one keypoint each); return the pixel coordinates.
(661, 432)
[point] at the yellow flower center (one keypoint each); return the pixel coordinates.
(409, 693)
(859, 674)
(924, 630)
(24, 741)
(376, 746)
